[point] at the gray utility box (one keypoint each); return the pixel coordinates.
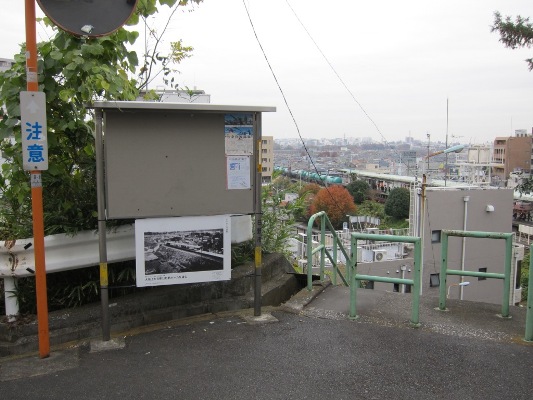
(171, 159)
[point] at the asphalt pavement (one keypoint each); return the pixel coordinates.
(302, 350)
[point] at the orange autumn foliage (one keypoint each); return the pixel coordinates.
(336, 201)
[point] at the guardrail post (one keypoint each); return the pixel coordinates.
(10, 298)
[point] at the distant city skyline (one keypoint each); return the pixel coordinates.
(405, 63)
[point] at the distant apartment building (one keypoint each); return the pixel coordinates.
(267, 158)
(523, 133)
(510, 154)
(5, 64)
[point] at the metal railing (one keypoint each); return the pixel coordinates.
(324, 252)
(506, 276)
(415, 282)
(351, 262)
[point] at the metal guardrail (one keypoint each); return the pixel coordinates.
(415, 282)
(67, 252)
(324, 223)
(351, 261)
(506, 276)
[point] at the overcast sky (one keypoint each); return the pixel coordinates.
(400, 60)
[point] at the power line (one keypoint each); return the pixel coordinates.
(344, 84)
(286, 102)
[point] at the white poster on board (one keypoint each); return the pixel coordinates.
(171, 251)
(238, 172)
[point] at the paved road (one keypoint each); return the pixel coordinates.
(294, 357)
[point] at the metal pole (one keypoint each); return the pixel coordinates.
(507, 279)
(353, 281)
(529, 313)
(422, 231)
(429, 139)
(443, 271)
(466, 199)
(309, 248)
(446, 146)
(258, 221)
(102, 245)
(323, 243)
(37, 193)
(415, 313)
(335, 244)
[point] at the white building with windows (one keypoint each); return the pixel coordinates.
(267, 158)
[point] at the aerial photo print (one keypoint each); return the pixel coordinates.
(171, 251)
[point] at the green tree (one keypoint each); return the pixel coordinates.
(72, 72)
(514, 34)
(277, 221)
(397, 204)
(359, 190)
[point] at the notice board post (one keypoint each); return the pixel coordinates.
(258, 214)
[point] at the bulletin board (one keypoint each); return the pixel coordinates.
(179, 159)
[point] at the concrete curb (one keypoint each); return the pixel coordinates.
(297, 303)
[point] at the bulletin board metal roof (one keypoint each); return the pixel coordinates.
(169, 159)
(154, 105)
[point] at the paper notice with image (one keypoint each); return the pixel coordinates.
(238, 172)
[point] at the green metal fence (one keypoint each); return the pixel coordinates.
(354, 278)
(506, 276)
(324, 252)
(415, 282)
(351, 262)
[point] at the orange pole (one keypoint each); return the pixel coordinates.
(32, 85)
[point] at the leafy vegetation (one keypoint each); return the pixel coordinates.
(514, 34)
(397, 204)
(359, 190)
(375, 209)
(72, 72)
(75, 288)
(372, 209)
